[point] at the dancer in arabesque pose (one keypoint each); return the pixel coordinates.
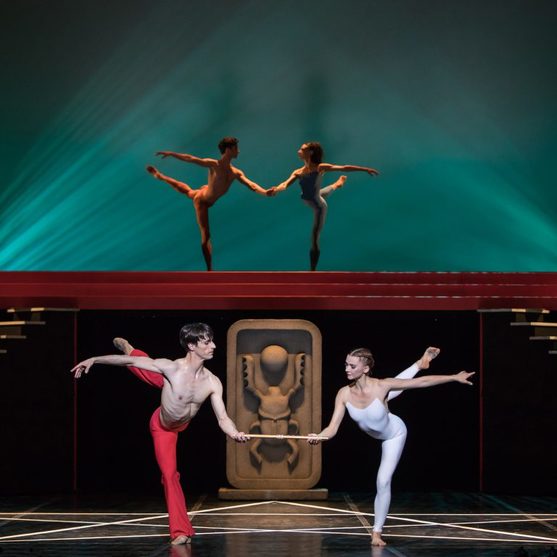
(186, 383)
(365, 398)
(221, 176)
(310, 177)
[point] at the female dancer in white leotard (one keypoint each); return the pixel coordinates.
(310, 177)
(366, 399)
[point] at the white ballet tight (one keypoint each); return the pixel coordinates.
(391, 451)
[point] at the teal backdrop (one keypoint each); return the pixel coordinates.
(454, 102)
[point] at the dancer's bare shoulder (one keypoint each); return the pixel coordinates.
(325, 167)
(236, 173)
(206, 162)
(343, 395)
(166, 365)
(213, 381)
(384, 384)
(209, 386)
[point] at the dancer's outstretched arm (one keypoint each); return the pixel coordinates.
(188, 158)
(428, 381)
(288, 182)
(242, 178)
(225, 423)
(326, 167)
(338, 414)
(161, 365)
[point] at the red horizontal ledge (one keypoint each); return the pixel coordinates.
(280, 290)
(277, 277)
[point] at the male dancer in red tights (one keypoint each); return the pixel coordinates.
(186, 383)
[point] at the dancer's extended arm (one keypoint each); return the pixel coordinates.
(338, 414)
(158, 366)
(428, 381)
(288, 182)
(225, 423)
(188, 158)
(242, 178)
(326, 167)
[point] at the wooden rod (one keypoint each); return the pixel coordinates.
(264, 436)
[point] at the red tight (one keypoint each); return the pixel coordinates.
(165, 452)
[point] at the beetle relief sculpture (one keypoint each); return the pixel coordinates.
(275, 402)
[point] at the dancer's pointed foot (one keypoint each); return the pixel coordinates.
(340, 182)
(180, 540)
(377, 540)
(123, 345)
(153, 171)
(429, 355)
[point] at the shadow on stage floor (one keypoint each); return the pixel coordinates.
(419, 525)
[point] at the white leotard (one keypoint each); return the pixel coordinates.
(376, 420)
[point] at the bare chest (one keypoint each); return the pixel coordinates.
(186, 390)
(220, 180)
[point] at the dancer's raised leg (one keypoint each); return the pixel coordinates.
(409, 373)
(324, 192)
(149, 377)
(430, 354)
(177, 185)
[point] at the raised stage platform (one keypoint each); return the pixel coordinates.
(278, 290)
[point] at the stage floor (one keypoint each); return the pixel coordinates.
(419, 525)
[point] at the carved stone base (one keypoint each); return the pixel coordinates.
(230, 494)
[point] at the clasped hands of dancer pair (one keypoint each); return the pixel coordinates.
(222, 174)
